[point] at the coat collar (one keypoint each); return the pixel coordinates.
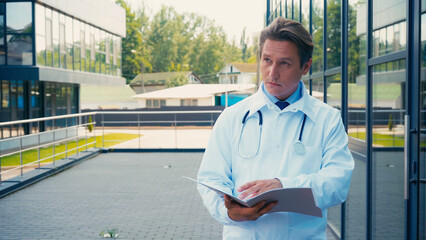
(304, 104)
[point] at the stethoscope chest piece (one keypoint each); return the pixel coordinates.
(299, 148)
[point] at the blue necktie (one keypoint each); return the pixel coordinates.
(282, 104)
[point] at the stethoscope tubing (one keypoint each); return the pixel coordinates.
(300, 149)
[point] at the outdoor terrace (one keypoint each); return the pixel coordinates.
(137, 189)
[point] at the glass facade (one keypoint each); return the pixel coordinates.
(18, 33)
(50, 39)
(68, 43)
(363, 66)
(422, 164)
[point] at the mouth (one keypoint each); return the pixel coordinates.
(273, 84)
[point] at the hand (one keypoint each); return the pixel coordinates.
(257, 187)
(240, 213)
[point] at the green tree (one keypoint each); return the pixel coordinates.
(243, 46)
(333, 33)
(133, 40)
(175, 42)
(177, 80)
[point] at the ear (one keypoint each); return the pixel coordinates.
(307, 66)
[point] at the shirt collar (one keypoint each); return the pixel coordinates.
(292, 99)
(303, 104)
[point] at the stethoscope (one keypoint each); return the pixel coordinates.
(298, 146)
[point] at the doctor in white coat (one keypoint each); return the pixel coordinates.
(280, 137)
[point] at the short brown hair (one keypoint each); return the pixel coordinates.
(282, 29)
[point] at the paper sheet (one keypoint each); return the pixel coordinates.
(298, 200)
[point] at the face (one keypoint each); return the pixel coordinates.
(280, 68)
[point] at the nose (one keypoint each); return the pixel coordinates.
(273, 71)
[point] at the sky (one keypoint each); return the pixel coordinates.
(232, 15)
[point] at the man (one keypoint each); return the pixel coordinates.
(280, 137)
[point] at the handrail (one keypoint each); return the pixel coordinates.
(60, 133)
(46, 118)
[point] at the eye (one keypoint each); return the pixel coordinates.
(267, 60)
(284, 63)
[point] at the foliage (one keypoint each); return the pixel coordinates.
(177, 80)
(90, 126)
(109, 233)
(172, 42)
(390, 123)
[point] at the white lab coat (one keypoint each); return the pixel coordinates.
(326, 166)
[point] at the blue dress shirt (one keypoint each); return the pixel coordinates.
(326, 166)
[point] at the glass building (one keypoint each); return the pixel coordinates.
(48, 48)
(369, 62)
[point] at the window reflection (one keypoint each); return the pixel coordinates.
(389, 34)
(19, 50)
(290, 9)
(388, 104)
(2, 48)
(19, 17)
(305, 13)
(318, 88)
(317, 34)
(333, 33)
(296, 11)
(334, 91)
(422, 172)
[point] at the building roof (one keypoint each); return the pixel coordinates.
(107, 97)
(158, 78)
(94, 93)
(193, 91)
(245, 67)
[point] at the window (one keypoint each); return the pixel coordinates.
(155, 103)
(333, 33)
(55, 38)
(77, 49)
(2, 43)
(40, 35)
(189, 102)
(19, 33)
(69, 41)
(389, 26)
(317, 34)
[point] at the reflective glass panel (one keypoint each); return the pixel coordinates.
(388, 166)
(318, 88)
(19, 50)
(389, 26)
(305, 80)
(317, 34)
(422, 170)
(41, 50)
(296, 10)
(305, 13)
(356, 201)
(290, 9)
(40, 17)
(333, 33)
(2, 44)
(334, 91)
(19, 17)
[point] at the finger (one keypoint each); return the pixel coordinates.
(258, 206)
(246, 186)
(228, 201)
(251, 192)
(268, 207)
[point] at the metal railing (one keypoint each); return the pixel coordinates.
(49, 132)
(58, 130)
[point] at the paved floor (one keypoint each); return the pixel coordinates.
(143, 195)
(132, 192)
